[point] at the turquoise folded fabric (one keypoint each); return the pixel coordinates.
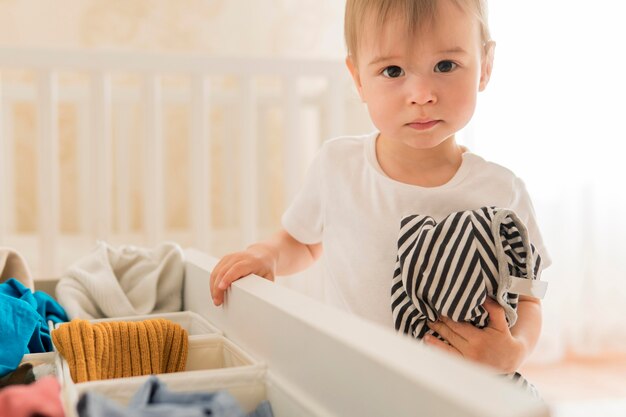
(24, 319)
(18, 321)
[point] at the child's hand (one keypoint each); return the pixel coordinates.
(238, 265)
(493, 345)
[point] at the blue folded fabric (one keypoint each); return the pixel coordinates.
(154, 400)
(18, 321)
(264, 409)
(154, 394)
(24, 323)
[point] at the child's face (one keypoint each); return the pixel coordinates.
(421, 91)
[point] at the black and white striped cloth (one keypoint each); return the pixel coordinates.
(449, 268)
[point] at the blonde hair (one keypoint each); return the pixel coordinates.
(417, 14)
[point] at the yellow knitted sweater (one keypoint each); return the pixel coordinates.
(120, 349)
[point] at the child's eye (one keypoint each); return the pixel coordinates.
(393, 71)
(445, 66)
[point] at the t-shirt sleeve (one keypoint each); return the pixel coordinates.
(303, 219)
(522, 205)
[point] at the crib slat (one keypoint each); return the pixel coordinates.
(248, 197)
(4, 184)
(122, 166)
(48, 181)
(229, 180)
(200, 162)
(153, 161)
(292, 147)
(101, 136)
(7, 115)
(86, 212)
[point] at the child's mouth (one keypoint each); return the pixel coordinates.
(423, 124)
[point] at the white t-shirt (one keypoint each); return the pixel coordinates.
(354, 209)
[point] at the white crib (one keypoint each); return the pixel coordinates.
(265, 118)
(248, 129)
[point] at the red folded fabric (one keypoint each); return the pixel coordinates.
(42, 398)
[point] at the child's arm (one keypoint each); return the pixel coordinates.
(528, 326)
(279, 255)
(496, 345)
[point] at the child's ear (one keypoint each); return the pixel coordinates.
(486, 65)
(354, 71)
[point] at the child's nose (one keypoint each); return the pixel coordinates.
(421, 91)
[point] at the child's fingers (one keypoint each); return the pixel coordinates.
(445, 331)
(214, 274)
(238, 270)
(465, 330)
(434, 342)
(497, 318)
(217, 273)
(223, 266)
(217, 293)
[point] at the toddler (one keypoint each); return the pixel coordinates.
(418, 65)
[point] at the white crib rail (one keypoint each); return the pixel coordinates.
(100, 166)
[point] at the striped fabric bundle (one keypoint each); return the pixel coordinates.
(449, 268)
(120, 349)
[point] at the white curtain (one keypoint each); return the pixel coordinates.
(555, 114)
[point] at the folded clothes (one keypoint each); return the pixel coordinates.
(153, 399)
(449, 268)
(123, 281)
(120, 349)
(24, 319)
(42, 399)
